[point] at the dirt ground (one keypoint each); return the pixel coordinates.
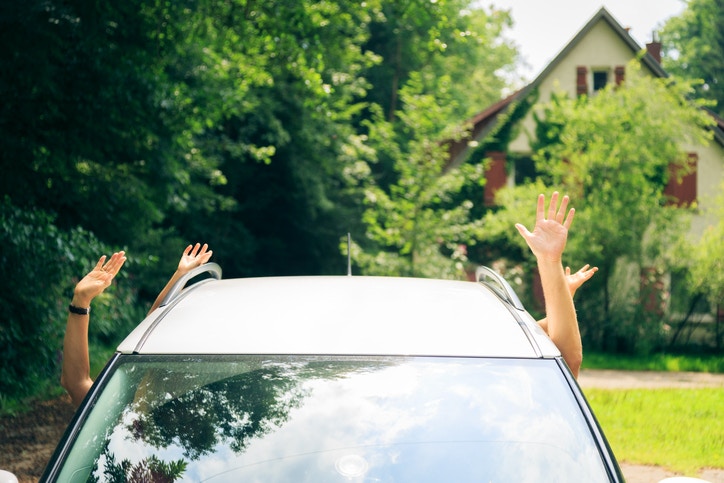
(28, 440)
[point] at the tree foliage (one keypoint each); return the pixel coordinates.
(693, 45)
(35, 297)
(416, 226)
(432, 39)
(442, 61)
(707, 272)
(702, 262)
(146, 125)
(284, 152)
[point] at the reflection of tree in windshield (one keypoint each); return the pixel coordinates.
(191, 410)
(148, 470)
(230, 411)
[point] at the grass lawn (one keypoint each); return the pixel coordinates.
(679, 429)
(655, 362)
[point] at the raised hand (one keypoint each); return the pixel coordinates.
(548, 238)
(194, 256)
(98, 279)
(575, 280)
(75, 376)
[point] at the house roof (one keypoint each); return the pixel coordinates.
(484, 122)
(719, 128)
(481, 124)
(603, 14)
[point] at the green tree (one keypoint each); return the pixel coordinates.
(94, 125)
(415, 226)
(97, 124)
(706, 271)
(151, 124)
(417, 212)
(612, 153)
(445, 37)
(693, 45)
(283, 148)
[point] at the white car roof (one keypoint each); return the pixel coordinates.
(355, 315)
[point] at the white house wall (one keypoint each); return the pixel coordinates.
(710, 175)
(600, 49)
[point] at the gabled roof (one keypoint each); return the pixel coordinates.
(485, 121)
(481, 124)
(604, 15)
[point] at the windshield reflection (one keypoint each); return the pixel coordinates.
(316, 419)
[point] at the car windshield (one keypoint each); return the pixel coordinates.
(381, 419)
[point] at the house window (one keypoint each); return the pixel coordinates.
(524, 170)
(600, 79)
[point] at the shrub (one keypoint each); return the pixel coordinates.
(39, 266)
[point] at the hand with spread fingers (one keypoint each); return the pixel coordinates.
(75, 376)
(575, 280)
(547, 242)
(548, 238)
(98, 279)
(192, 257)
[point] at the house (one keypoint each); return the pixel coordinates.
(594, 58)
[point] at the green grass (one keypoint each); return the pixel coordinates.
(679, 429)
(655, 362)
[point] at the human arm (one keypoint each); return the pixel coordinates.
(547, 242)
(192, 257)
(75, 376)
(574, 280)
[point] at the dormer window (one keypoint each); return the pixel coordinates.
(594, 79)
(600, 79)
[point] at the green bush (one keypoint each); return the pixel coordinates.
(39, 266)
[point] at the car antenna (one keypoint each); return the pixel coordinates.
(349, 255)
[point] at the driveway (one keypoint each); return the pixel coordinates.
(606, 379)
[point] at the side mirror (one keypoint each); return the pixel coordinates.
(7, 477)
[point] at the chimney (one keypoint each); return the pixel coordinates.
(654, 47)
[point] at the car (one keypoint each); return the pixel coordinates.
(335, 378)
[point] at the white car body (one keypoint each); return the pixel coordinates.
(341, 315)
(346, 378)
